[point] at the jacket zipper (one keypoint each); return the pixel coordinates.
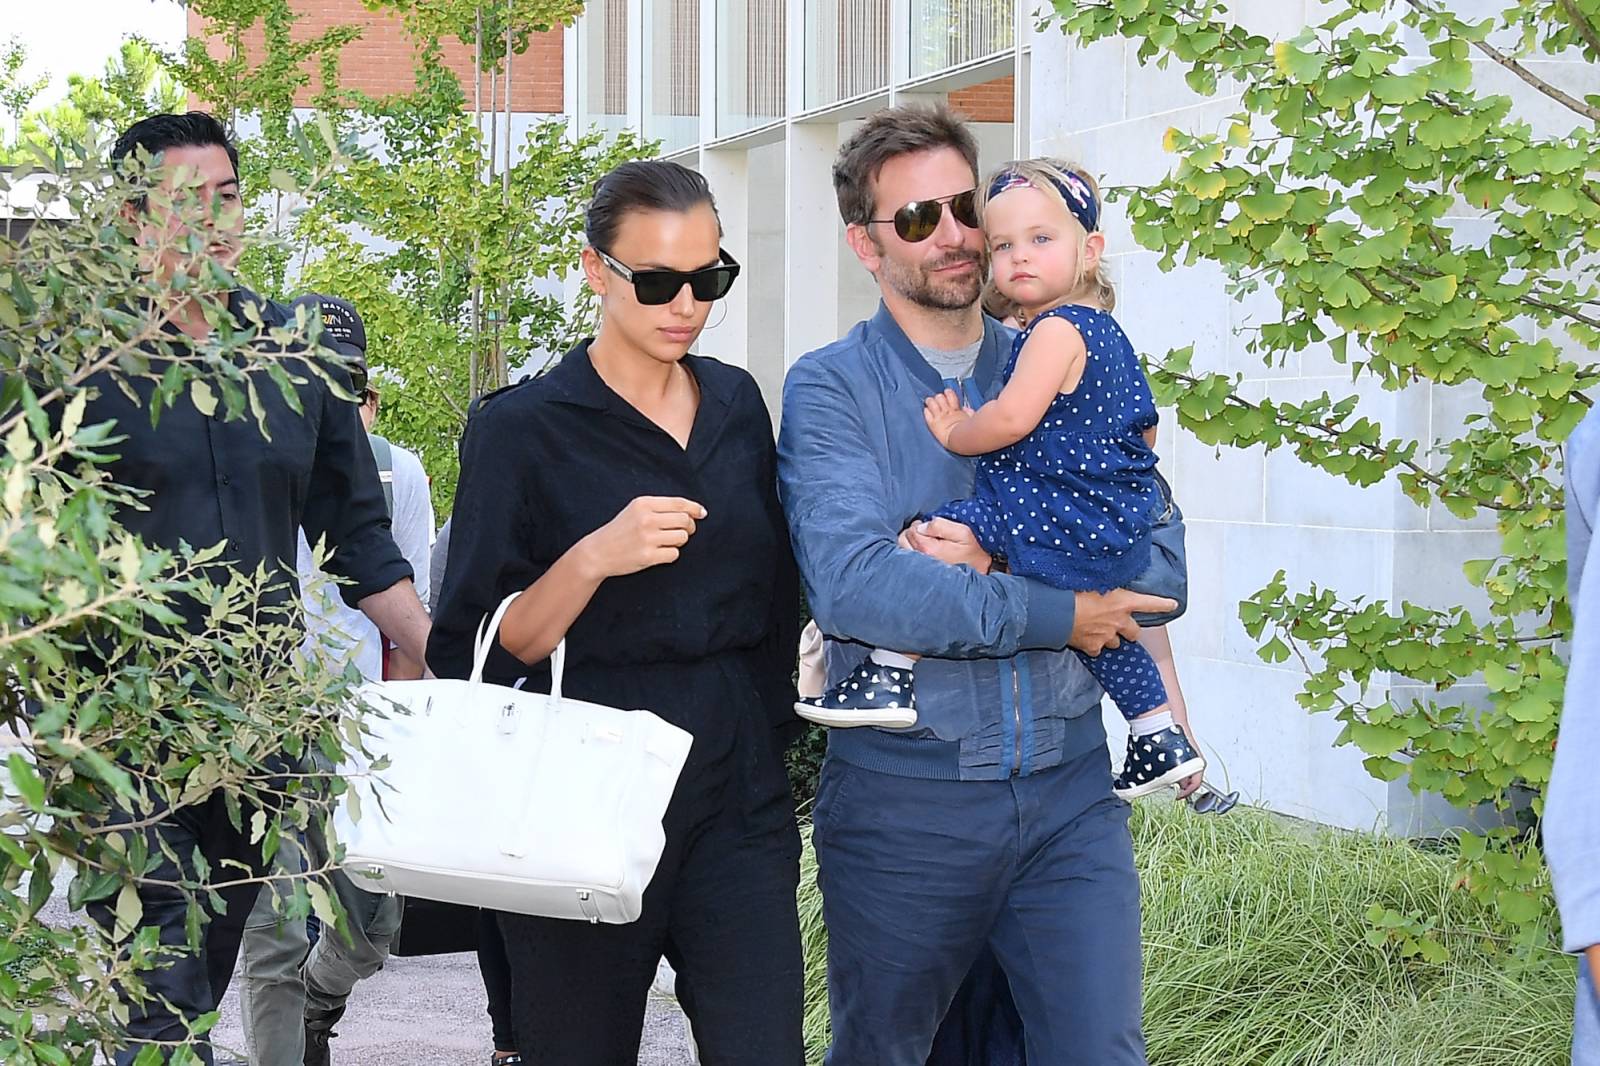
(1016, 713)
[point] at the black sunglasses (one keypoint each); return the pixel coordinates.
(655, 287)
(917, 220)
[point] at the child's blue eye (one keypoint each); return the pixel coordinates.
(1002, 246)
(1041, 238)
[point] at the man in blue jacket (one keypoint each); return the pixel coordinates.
(1571, 826)
(991, 824)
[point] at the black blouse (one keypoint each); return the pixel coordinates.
(548, 461)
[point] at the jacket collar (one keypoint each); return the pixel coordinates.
(575, 381)
(991, 354)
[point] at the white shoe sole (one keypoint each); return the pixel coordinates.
(851, 717)
(1171, 777)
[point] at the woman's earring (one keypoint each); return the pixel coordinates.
(720, 321)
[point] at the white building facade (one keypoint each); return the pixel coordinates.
(758, 94)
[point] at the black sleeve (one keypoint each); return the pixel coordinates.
(345, 502)
(780, 647)
(493, 548)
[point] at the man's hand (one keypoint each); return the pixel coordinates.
(1105, 619)
(1592, 953)
(949, 542)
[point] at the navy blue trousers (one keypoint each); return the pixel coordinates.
(919, 877)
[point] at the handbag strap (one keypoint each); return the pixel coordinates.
(489, 632)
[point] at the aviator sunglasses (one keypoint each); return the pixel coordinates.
(917, 220)
(656, 287)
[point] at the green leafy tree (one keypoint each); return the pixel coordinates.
(132, 85)
(462, 284)
(1332, 187)
(122, 716)
(442, 233)
(16, 92)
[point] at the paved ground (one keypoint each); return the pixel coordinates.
(425, 1012)
(431, 1011)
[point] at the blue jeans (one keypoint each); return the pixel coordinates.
(1586, 1020)
(918, 876)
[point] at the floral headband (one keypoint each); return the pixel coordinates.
(1073, 189)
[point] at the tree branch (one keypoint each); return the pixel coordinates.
(1566, 100)
(1581, 23)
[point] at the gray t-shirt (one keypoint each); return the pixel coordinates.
(953, 362)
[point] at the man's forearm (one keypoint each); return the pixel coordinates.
(1593, 955)
(399, 615)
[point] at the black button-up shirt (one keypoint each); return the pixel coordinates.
(546, 462)
(210, 480)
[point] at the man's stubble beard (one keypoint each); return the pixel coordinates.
(917, 284)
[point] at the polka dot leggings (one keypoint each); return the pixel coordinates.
(1127, 673)
(1129, 676)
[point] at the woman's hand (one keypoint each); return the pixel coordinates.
(944, 413)
(650, 531)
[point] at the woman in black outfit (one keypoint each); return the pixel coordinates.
(630, 494)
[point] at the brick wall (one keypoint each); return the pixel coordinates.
(382, 61)
(989, 102)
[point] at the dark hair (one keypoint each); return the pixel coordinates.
(891, 132)
(156, 134)
(643, 185)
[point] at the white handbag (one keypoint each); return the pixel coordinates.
(511, 800)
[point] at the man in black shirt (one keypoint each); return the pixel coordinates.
(208, 480)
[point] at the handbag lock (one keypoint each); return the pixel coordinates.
(508, 720)
(586, 905)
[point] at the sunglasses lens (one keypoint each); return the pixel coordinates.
(965, 208)
(917, 220)
(656, 287)
(709, 285)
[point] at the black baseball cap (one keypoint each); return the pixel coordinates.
(342, 331)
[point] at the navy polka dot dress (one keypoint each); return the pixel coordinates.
(1072, 503)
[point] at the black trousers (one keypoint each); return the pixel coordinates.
(721, 908)
(192, 982)
(496, 971)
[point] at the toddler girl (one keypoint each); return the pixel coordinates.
(1066, 489)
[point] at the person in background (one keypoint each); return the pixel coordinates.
(211, 480)
(294, 991)
(1572, 803)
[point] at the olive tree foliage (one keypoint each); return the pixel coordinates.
(1333, 187)
(117, 717)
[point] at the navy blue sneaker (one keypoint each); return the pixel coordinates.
(1153, 762)
(872, 695)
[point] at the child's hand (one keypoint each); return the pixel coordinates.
(944, 413)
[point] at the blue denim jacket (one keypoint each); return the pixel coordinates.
(997, 696)
(1571, 823)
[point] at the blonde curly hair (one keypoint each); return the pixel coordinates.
(1048, 176)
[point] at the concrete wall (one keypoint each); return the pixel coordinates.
(1252, 514)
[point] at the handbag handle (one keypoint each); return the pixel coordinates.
(489, 632)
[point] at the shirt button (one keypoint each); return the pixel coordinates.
(223, 480)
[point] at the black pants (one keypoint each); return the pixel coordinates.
(721, 908)
(193, 982)
(496, 971)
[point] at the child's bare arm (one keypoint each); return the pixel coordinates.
(1051, 362)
